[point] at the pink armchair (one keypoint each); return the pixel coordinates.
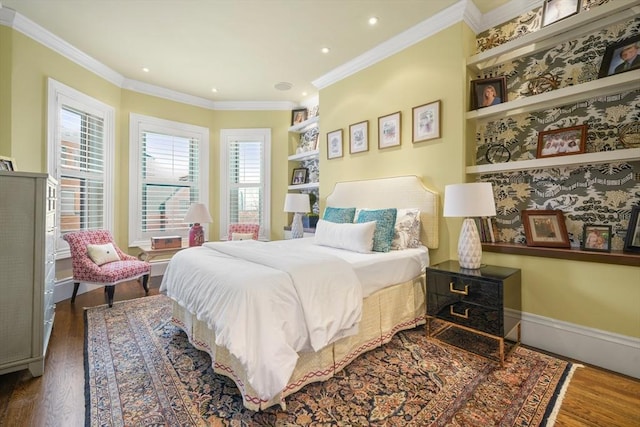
(244, 228)
(109, 274)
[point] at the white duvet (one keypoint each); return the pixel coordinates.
(265, 302)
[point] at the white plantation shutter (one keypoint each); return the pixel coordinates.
(168, 172)
(245, 179)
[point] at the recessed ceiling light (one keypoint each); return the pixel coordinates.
(283, 86)
(373, 20)
(304, 93)
(325, 50)
(145, 69)
(214, 90)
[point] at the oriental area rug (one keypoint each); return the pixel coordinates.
(141, 370)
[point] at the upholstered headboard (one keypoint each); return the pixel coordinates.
(396, 192)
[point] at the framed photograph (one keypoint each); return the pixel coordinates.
(299, 176)
(562, 142)
(334, 144)
(545, 228)
(557, 10)
(488, 92)
(7, 164)
(426, 122)
(298, 116)
(389, 130)
(359, 137)
(596, 237)
(632, 241)
(620, 57)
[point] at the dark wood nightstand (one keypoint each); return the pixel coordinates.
(476, 300)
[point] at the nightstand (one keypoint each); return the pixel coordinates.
(486, 301)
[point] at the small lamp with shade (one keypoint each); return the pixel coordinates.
(197, 214)
(298, 204)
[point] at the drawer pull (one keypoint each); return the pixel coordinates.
(464, 316)
(456, 291)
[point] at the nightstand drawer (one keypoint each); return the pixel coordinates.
(472, 316)
(482, 292)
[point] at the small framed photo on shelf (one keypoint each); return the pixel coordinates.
(299, 176)
(389, 130)
(298, 116)
(7, 164)
(359, 137)
(562, 142)
(545, 228)
(557, 10)
(426, 122)
(596, 238)
(334, 144)
(632, 241)
(488, 92)
(620, 57)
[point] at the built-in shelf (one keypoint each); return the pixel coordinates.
(613, 257)
(583, 23)
(307, 155)
(301, 127)
(623, 155)
(307, 186)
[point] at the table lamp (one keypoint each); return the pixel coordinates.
(298, 204)
(197, 213)
(468, 201)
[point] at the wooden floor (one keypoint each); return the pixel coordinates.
(594, 398)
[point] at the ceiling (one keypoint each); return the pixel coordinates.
(242, 48)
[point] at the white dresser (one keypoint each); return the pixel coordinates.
(27, 269)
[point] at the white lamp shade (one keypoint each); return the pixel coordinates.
(198, 214)
(469, 200)
(297, 203)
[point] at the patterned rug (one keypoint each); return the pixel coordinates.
(141, 371)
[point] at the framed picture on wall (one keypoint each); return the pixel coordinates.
(596, 238)
(545, 228)
(488, 92)
(389, 130)
(562, 142)
(632, 241)
(621, 57)
(334, 144)
(426, 122)
(557, 10)
(359, 137)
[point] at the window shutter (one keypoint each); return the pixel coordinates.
(246, 179)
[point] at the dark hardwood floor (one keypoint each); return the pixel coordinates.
(595, 397)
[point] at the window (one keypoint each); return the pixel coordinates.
(168, 171)
(80, 147)
(245, 186)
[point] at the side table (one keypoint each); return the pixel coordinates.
(475, 300)
(148, 254)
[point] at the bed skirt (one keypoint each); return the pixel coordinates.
(384, 313)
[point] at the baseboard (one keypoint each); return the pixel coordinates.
(607, 350)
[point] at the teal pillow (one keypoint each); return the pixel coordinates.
(385, 222)
(339, 215)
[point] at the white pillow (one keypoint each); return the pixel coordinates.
(352, 237)
(407, 229)
(102, 254)
(241, 236)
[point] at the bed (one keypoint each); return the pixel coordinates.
(262, 318)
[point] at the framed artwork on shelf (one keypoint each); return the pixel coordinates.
(562, 142)
(632, 241)
(488, 92)
(359, 137)
(299, 176)
(596, 237)
(334, 144)
(389, 130)
(620, 57)
(7, 164)
(557, 10)
(426, 122)
(298, 116)
(545, 228)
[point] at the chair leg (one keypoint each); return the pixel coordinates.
(76, 285)
(110, 291)
(145, 284)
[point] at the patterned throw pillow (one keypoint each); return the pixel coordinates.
(102, 254)
(339, 215)
(407, 229)
(385, 222)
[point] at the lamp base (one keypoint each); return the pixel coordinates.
(297, 229)
(469, 246)
(196, 235)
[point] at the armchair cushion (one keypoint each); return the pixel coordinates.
(102, 254)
